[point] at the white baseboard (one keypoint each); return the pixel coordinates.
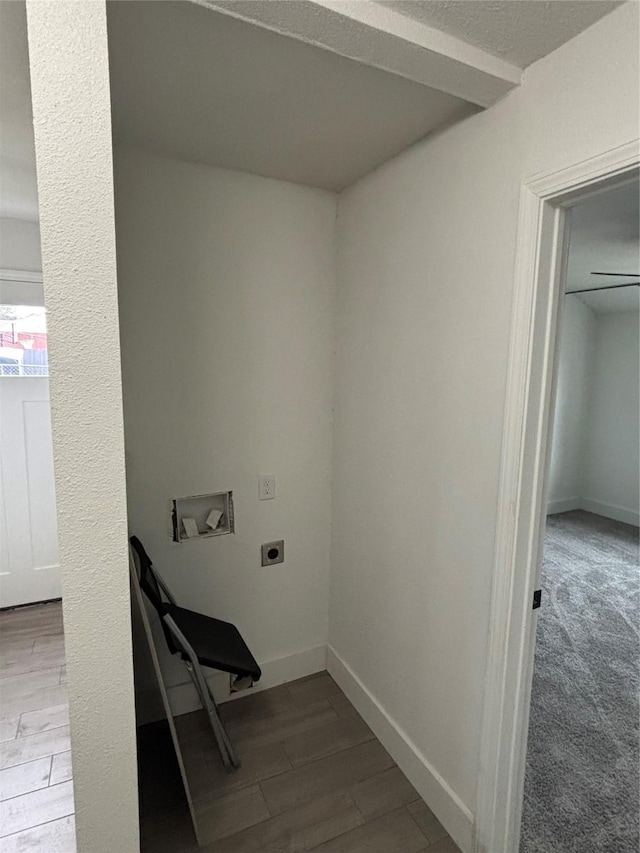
(183, 697)
(563, 505)
(454, 815)
(617, 513)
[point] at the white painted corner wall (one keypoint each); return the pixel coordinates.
(612, 464)
(72, 122)
(595, 460)
(575, 370)
(227, 309)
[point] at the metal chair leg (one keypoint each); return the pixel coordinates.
(227, 752)
(235, 761)
(225, 747)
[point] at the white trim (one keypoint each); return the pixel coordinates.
(25, 276)
(563, 505)
(184, 699)
(618, 513)
(522, 487)
(454, 815)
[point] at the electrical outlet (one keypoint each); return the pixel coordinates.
(272, 552)
(267, 487)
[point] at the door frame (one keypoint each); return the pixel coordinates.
(530, 389)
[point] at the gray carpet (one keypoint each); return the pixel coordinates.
(582, 780)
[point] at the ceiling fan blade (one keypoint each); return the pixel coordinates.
(619, 274)
(607, 287)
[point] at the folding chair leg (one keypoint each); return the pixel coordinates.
(235, 761)
(227, 752)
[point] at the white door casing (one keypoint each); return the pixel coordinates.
(29, 566)
(522, 495)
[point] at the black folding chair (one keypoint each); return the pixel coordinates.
(200, 641)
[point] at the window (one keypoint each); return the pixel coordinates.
(23, 341)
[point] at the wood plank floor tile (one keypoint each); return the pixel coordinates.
(297, 830)
(29, 748)
(325, 776)
(28, 662)
(445, 846)
(14, 624)
(14, 686)
(9, 727)
(383, 793)
(58, 836)
(42, 806)
(309, 690)
(395, 832)
(12, 629)
(189, 726)
(327, 739)
(36, 808)
(171, 833)
(282, 726)
(11, 639)
(341, 705)
(24, 778)
(48, 643)
(33, 722)
(39, 697)
(427, 821)
(209, 776)
(61, 769)
(264, 704)
(219, 817)
(15, 650)
(34, 612)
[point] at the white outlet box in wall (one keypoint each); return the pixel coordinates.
(267, 487)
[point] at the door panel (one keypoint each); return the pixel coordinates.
(29, 569)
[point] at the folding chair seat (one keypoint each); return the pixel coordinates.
(217, 644)
(200, 640)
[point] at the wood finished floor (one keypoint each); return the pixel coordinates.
(36, 796)
(313, 778)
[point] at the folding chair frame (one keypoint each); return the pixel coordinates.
(227, 752)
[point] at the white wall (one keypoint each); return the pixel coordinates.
(20, 245)
(227, 307)
(72, 122)
(426, 260)
(567, 475)
(596, 432)
(612, 463)
(20, 251)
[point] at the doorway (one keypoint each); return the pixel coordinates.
(541, 265)
(29, 566)
(581, 781)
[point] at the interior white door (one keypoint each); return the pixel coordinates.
(29, 567)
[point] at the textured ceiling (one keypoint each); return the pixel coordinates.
(18, 191)
(518, 31)
(204, 87)
(605, 237)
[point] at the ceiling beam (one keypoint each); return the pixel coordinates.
(377, 36)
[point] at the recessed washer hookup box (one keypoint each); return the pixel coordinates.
(202, 516)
